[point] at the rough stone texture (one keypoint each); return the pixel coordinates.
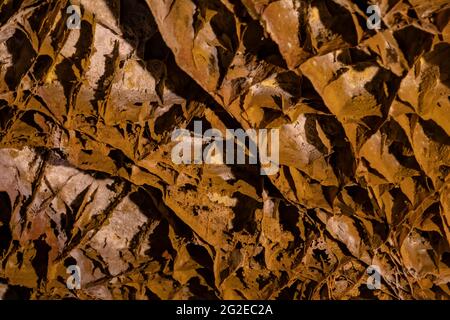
(86, 177)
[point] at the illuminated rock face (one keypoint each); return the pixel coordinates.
(87, 179)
